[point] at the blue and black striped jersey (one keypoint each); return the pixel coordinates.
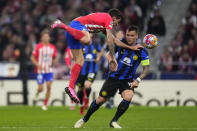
(128, 61)
(90, 54)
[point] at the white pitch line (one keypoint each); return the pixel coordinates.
(15, 127)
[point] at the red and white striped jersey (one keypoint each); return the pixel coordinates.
(44, 56)
(96, 22)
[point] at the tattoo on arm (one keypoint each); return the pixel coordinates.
(110, 41)
(145, 72)
(111, 50)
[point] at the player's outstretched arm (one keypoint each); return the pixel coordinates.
(110, 41)
(145, 72)
(121, 44)
(99, 54)
(112, 63)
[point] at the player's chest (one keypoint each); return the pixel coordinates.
(46, 52)
(127, 57)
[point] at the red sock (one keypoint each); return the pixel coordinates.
(77, 34)
(74, 75)
(45, 102)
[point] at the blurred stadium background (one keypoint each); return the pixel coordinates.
(171, 82)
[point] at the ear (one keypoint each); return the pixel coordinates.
(113, 18)
(137, 37)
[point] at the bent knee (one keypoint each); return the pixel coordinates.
(48, 87)
(40, 89)
(127, 98)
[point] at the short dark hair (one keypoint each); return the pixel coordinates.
(45, 31)
(133, 28)
(115, 12)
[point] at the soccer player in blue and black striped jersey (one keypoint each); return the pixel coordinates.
(123, 79)
(92, 54)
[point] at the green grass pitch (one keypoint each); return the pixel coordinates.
(25, 118)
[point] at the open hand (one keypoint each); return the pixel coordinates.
(134, 84)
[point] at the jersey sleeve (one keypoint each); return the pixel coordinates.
(144, 58)
(35, 51)
(108, 22)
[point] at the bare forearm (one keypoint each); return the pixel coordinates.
(34, 61)
(111, 50)
(146, 70)
(99, 55)
(110, 41)
(55, 60)
(108, 57)
(120, 43)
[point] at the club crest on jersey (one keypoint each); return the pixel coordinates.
(94, 51)
(104, 93)
(135, 57)
(122, 52)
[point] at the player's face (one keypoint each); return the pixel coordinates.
(45, 38)
(131, 37)
(115, 21)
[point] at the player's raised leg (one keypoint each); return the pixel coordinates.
(79, 61)
(82, 35)
(123, 106)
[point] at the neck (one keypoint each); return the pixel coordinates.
(45, 43)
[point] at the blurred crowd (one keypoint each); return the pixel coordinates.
(21, 22)
(181, 54)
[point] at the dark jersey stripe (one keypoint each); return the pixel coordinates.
(123, 67)
(136, 62)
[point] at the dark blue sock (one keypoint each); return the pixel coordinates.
(80, 96)
(123, 106)
(91, 110)
(88, 90)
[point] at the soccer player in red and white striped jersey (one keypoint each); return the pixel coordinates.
(43, 56)
(77, 33)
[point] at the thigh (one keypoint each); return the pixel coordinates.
(77, 54)
(109, 88)
(72, 42)
(127, 94)
(48, 77)
(125, 85)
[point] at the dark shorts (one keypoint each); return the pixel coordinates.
(111, 86)
(82, 78)
(72, 42)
